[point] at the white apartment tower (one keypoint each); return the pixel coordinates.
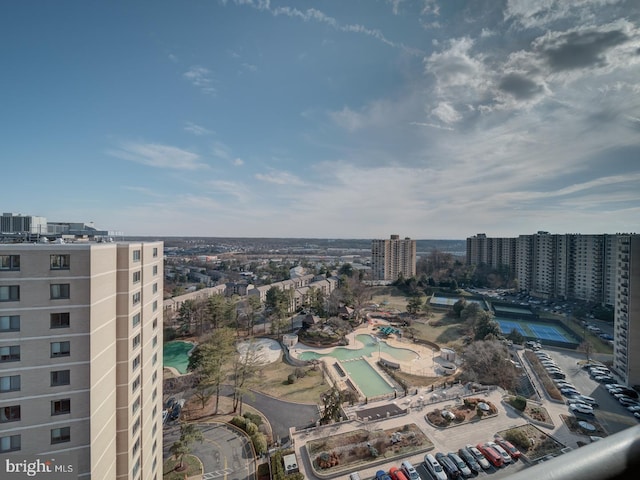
(627, 310)
(392, 258)
(81, 355)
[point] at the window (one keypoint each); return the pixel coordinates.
(155, 288)
(136, 255)
(155, 252)
(154, 359)
(136, 362)
(136, 426)
(154, 394)
(136, 277)
(10, 443)
(59, 320)
(59, 262)
(136, 405)
(135, 320)
(59, 290)
(10, 353)
(9, 323)
(60, 435)
(136, 468)
(154, 411)
(154, 341)
(10, 293)
(60, 407)
(135, 343)
(136, 384)
(155, 269)
(60, 377)
(9, 262)
(155, 305)
(136, 447)
(154, 377)
(10, 384)
(60, 349)
(155, 323)
(10, 414)
(136, 298)
(154, 429)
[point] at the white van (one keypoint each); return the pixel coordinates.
(411, 472)
(354, 476)
(434, 467)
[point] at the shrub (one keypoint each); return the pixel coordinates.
(251, 428)
(291, 378)
(300, 372)
(519, 403)
(239, 422)
(259, 443)
(519, 438)
(253, 417)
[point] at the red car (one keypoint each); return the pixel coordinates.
(508, 446)
(493, 456)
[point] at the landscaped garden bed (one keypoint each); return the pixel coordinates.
(534, 411)
(470, 410)
(347, 451)
(532, 442)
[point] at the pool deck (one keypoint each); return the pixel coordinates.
(425, 364)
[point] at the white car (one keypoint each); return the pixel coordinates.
(506, 458)
(482, 460)
(581, 408)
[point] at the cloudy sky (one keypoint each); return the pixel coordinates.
(331, 119)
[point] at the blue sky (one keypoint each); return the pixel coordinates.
(330, 119)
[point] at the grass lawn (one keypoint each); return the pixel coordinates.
(389, 298)
(439, 328)
(272, 380)
(191, 462)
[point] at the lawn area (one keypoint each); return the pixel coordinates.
(272, 380)
(191, 462)
(389, 298)
(440, 329)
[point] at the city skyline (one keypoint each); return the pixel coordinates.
(258, 118)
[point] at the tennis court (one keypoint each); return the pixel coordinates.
(536, 331)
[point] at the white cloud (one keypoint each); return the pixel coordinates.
(201, 77)
(238, 162)
(446, 113)
(159, 156)
(280, 178)
(196, 129)
(542, 13)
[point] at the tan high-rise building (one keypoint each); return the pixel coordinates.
(627, 311)
(81, 355)
(392, 258)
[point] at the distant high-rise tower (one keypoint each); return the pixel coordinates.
(81, 355)
(392, 258)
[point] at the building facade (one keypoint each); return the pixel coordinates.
(627, 310)
(81, 355)
(393, 257)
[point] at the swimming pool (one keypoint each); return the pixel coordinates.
(369, 381)
(176, 355)
(370, 347)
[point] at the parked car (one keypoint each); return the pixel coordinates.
(397, 474)
(581, 409)
(586, 399)
(433, 467)
(493, 456)
(567, 392)
(613, 386)
(171, 401)
(628, 401)
(382, 475)
(604, 379)
(470, 460)
(409, 471)
(509, 447)
(463, 467)
(479, 456)
(506, 458)
(449, 467)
